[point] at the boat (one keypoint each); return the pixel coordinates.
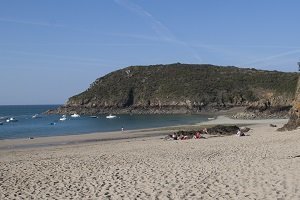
(110, 116)
(12, 119)
(211, 118)
(52, 123)
(93, 116)
(35, 116)
(63, 118)
(75, 115)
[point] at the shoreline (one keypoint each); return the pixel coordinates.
(38, 142)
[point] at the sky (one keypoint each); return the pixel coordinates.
(51, 50)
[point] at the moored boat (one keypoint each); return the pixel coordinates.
(110, 116)
(75, 115)
(36, 116)
(63, 118)
(11, 119)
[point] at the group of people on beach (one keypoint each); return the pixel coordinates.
(181, 137)
(184, 135)
(197, 135)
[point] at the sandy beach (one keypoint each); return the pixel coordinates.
(265, 164)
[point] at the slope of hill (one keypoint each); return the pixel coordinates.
(181, 88)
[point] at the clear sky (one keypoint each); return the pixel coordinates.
(53, 49)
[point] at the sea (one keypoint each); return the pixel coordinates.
(30, 122)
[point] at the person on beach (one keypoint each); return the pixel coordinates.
(197, 135)
(240, 133)
(174, 136)
(183, 137)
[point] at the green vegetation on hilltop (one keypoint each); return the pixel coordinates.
(186, 85)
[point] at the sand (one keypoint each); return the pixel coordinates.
(263, 165)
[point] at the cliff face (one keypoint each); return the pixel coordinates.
(181, 88)
(294, 120)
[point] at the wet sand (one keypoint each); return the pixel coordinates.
(141, 165)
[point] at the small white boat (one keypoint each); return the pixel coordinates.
(211, 118)
(110, 116)
(75, 115)
(63, 118)
(12, 119)
(35, 116)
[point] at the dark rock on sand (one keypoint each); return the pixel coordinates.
(216, 130)
(223, 130)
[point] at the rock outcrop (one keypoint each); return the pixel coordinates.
(185, 88)
(294, 120)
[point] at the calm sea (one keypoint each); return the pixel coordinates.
(26, 126)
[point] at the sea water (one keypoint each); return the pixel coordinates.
(43, 125)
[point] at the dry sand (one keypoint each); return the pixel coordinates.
(263, 165)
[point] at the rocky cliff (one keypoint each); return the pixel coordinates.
(294, 120)
(182, 88)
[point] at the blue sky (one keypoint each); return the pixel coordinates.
(53, 49)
